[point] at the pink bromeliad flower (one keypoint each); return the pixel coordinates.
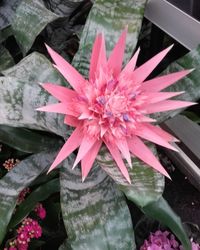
(113, 106)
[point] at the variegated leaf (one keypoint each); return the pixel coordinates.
(7, 12)
(30, 19)
(16, 180)
(18, 101)
(6, 59)
(146, 184)
(95, 213)
(190, 84)
(110, 17)
(21, 94)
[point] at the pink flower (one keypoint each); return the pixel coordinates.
(164, 241)
(40, 211)
(113, 107)
(29, 229)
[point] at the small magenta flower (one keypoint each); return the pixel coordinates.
(40, 211)
(28, 230)
(113, 106)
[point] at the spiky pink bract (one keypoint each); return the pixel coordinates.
(113, 107)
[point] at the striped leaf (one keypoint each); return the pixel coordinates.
(7, 12)
(146, 184)
(20, 95)
(30, 16)
(110, 17)
(20, 177)
(190, 84)
(95, 213)
(146, 192)
(6, 59)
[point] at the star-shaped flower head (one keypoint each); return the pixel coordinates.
(113, 106)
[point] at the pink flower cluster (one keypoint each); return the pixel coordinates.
(40, 211)
(164, 241)
(28, 230)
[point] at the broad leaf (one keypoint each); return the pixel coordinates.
(30, 16)
(39, 194)
(110, 17)
(7, 12)
(146, 184)
(6, 59)
(26, 140)
(21, 94)
(95, 213)
(161, 211)
(190, 84)
(146, 192)
(16, 180)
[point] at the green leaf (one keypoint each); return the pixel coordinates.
(5, 33)
(190, 84)
(110, 17)
(30, 16)
(7, 12)
(146, 186)
(26, 140)
(161, 211)
(6, 59)
(95, 212)
(20, 95)
(20, 177)
(63, 8)
(38, 195)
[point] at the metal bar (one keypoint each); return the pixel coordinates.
(178, 24)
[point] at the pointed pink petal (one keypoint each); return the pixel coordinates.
(68, 71)
(131, 64)
(70, 145)
(162, 82)
(116, 57)
(147, 134)
(141, 73)
(162, 133)
(63, 94)
(98, 57)
(140, 150)
(71, 121)
(166, 105)
(86, 144)
(89, 158)
(94, 56)
(118, 159)
(123, 147)
(160, 96)
(61, 108)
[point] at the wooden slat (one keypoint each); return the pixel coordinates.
(188, 157)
